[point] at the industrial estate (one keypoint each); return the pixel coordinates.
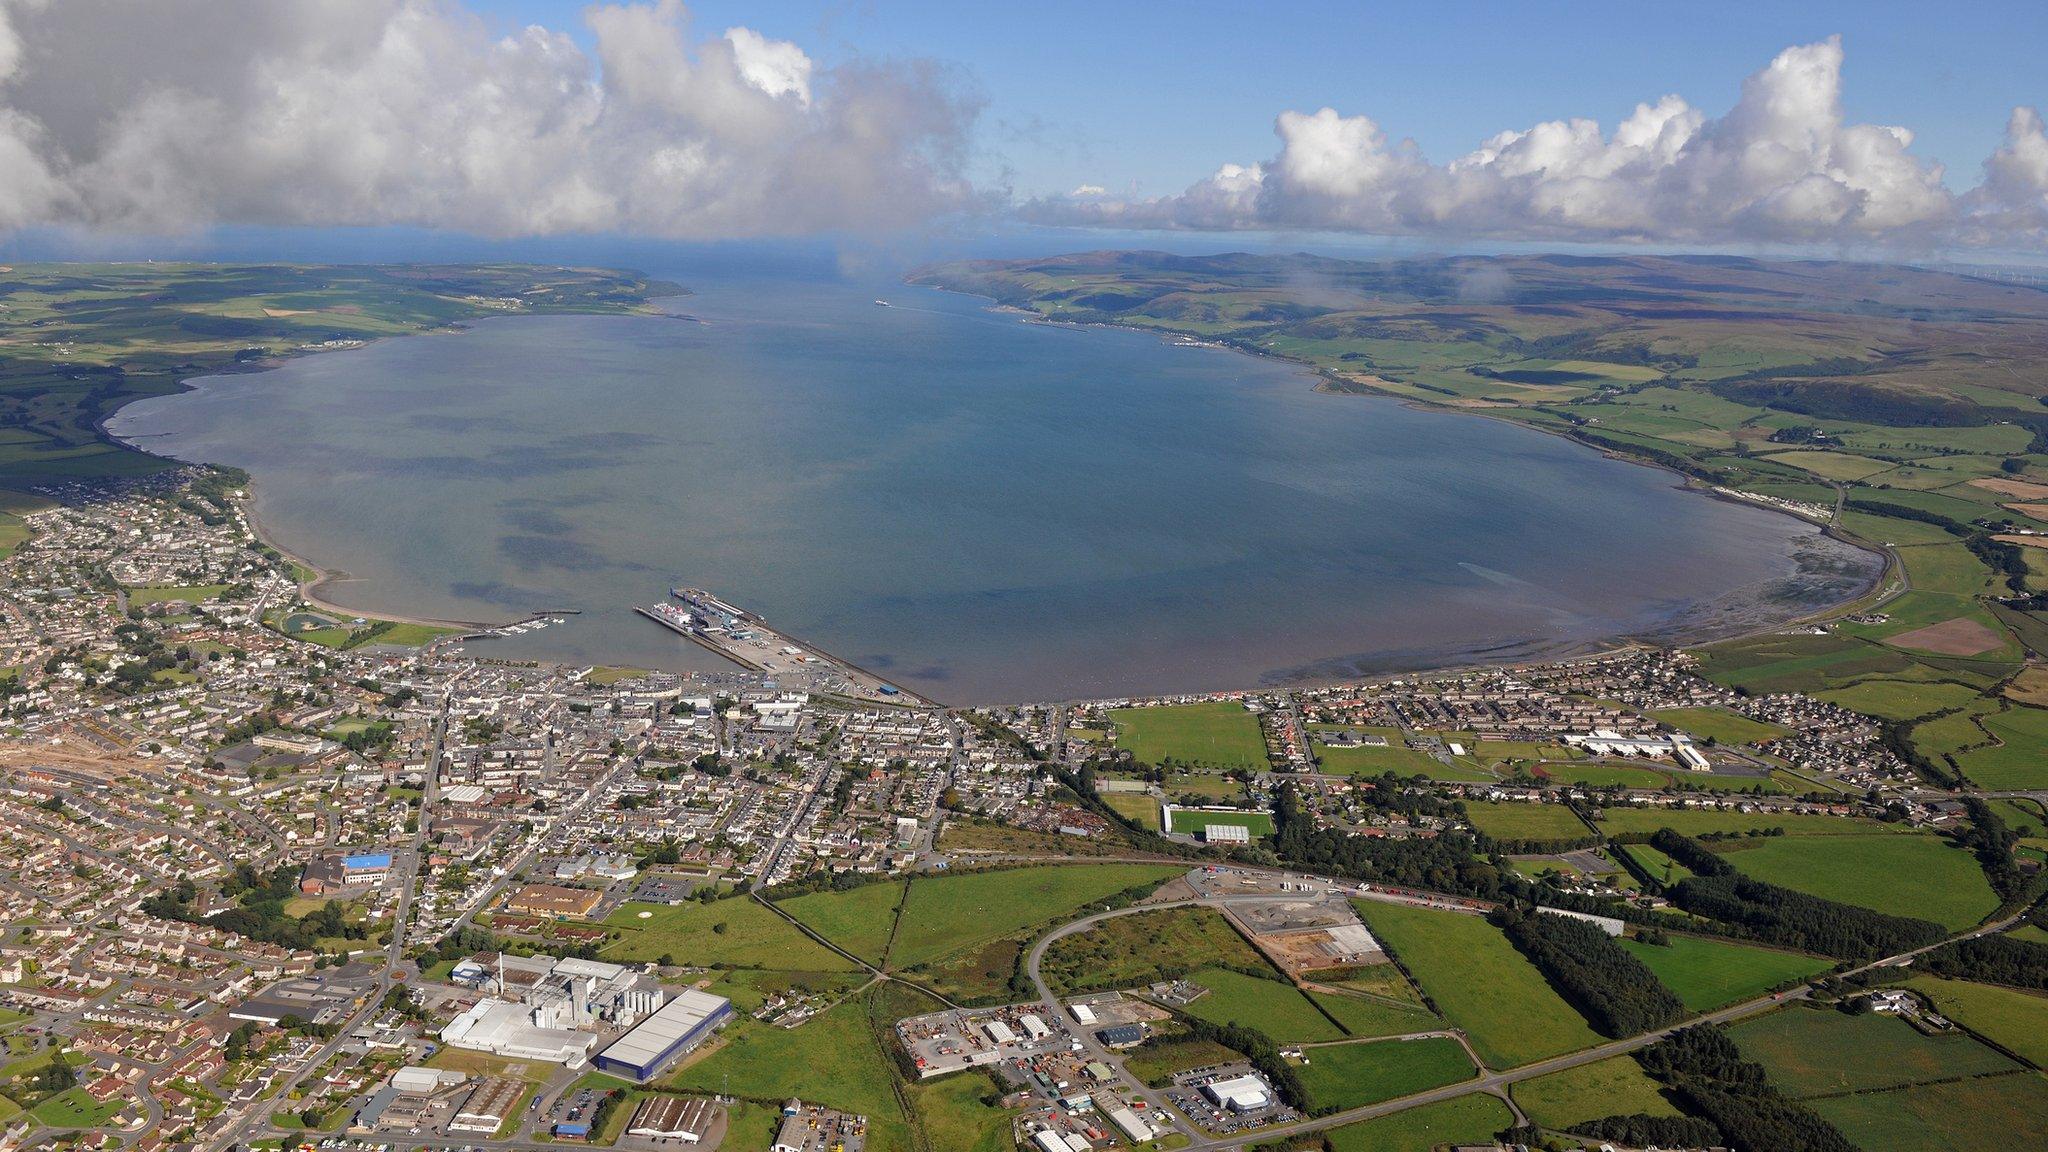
(278, 876)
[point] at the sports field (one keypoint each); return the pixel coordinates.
(1218, 733)
(1905, 875)
(1526, 821)
(1707, 974)
(1814, 1051)
(1257, 823)
(1616, 1086)
(1480, 983)
(1342, 1076)
(945, 914)
(752, 937)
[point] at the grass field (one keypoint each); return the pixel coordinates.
(1720, 726)
(1395, 758)
(1140, 806)
(1700, 822)
(858, 920)
(946, 914)
(754, 937)
(1526, 821)
(165, 594)
(1362, 1017)
(2019, 760)
(1904, 875)
(1708, 974)
(1257, 823)
(1219, 733)
(1138, 949)
(1348, 1075)
(2017, 1020)
(1461, 1120)
(1988, 1114)
(769, 1063)
(1616, 1086)
(1156, 1061)
(1480, 983)
(1819, 1051)
(1800, 663)
(1274, 1007)
(1899, 699)
(72, 1108)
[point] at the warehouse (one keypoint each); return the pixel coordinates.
(1246, 1093)
(488, 1105)
(684, 1119)
(678, 1026)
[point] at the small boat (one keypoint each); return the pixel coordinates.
(881, 303)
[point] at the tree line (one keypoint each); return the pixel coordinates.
(1783, 916)
(1617, 993)
(1707, 1073)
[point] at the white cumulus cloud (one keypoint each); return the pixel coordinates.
(175, 114)
(1782, 165)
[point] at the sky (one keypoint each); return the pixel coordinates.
(1861, 126)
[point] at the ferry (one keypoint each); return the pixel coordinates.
(881, 303)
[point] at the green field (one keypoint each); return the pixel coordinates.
(1360, 1016)
(1339, 1076)
(1987, 1114)
(1708, 974)
(1144, 947)
(1800, 663)
(1702, 822)
(1899, 699)
(1258, 823)
(1274, 1007)
(1219, 733)
(1155, 1061)
(1616, 1086)
(1905, 875)
(1819, 1051)
(1140, 806)
(947, 914)
(1480, 983)
(1717, 725)
(858, 919)
(72, 1108)
(163, 594)
(1526, 821)
(1471, 1119)
(2019, 760)
(769, 1063)
(754, 937)
(2014, 1019)
(1396, 758)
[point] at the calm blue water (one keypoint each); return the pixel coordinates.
(981, 508)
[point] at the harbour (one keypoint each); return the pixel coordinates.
(745, 639)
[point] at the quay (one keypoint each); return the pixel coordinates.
(745, 639)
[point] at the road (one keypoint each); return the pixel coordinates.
(1494, 1083)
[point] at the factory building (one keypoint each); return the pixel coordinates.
(510, 1030)
(678, 1026)
(487, 1106)
(684, 1119)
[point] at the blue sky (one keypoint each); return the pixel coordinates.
(1160, 93)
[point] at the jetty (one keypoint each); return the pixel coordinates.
(745, 639)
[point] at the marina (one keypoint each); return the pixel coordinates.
(745, 639)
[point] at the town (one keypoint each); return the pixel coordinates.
(274, 875)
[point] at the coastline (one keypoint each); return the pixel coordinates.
(1752, 617)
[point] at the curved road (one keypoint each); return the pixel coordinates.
(1495, 1083)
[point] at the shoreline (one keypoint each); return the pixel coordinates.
(1545, 649)
(1327, 383)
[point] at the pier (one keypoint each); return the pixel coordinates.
(745, 639)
